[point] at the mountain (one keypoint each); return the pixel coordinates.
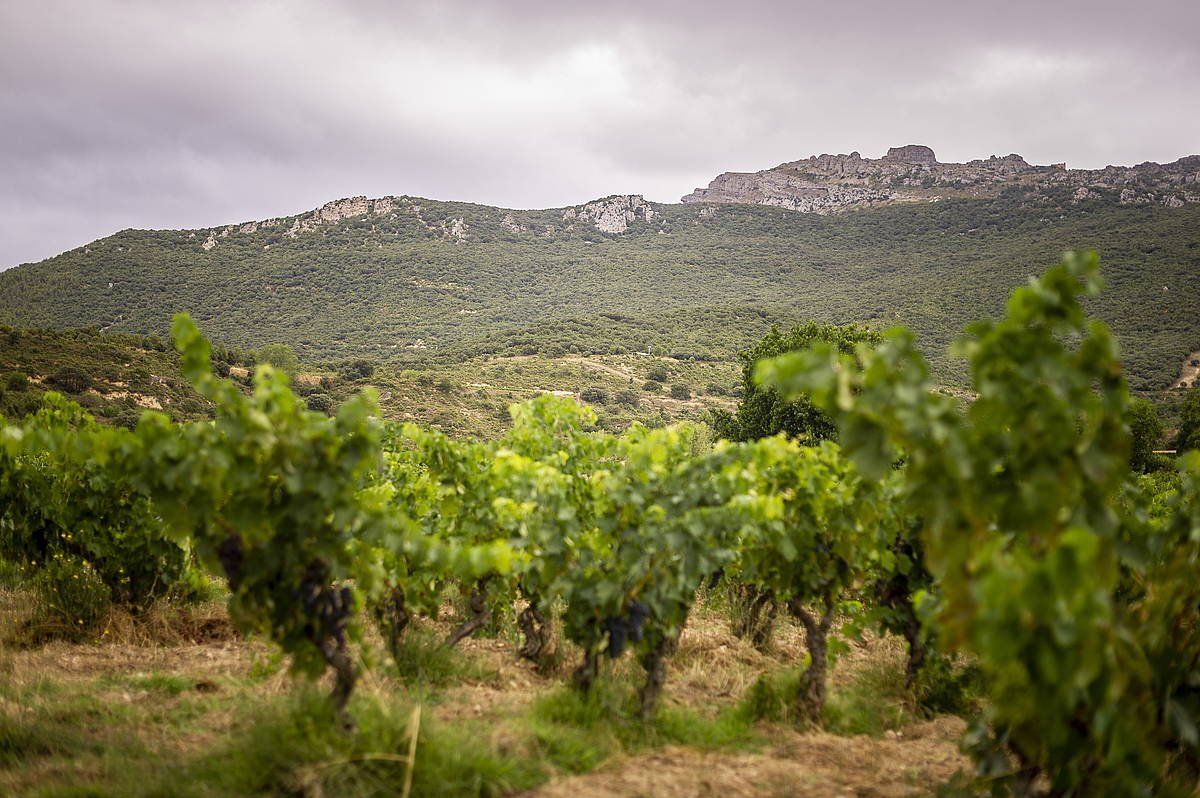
(422, 282)
(912, 173)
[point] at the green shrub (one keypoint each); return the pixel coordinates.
(72, 598)
(280, 356)
(596, 396)
(650, 386)
(356, 370)
(71, 379)
(679, 391)
(658, 374)
(16, 381)
(1146, 432)
(945, 688)
(319, 403)
(628, 398)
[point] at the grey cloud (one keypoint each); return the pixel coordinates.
(135, 113)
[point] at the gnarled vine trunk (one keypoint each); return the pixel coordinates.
(810, 697)
(538, 633)
(654, 662)
(345, 677)
(917, 650)
(481, 614)
(585, 675)
(393, 617)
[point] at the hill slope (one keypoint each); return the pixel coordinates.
(419, 281)
(115, 377)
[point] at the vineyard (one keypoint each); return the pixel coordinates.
(1035, 582)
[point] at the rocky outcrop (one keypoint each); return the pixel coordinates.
(911, 153)
(335, 211)
(612, 214)
(510, 223)
(455, 228)
(912, 173)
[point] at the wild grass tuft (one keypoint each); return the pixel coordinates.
(576, 731)
(420, 658)
(292, 746)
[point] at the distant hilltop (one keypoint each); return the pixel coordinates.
(912, 173)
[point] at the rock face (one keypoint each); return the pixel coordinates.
(911, 173)
(612, 214)
(911, 153)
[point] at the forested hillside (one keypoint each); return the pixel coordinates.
(418, 281)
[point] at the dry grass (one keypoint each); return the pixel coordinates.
(172, 684)
(814, 765)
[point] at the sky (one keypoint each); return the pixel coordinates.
(165, 114)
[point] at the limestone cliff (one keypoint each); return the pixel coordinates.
(912, 173)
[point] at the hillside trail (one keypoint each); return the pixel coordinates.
(1189, 370)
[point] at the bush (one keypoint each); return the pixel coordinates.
(319, 403)
(650, 386)
(72, 598)
(444, 386)
(596, 396)
(127, 417)
(658, 374)
(679, 391)
(16, 381)
(628, 398)
(356, 370)
(1146, 432)
(712, 389)
(71, 379)
(280, 356)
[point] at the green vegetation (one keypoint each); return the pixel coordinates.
(1040, 585)
(1087, 648)
(761, 412)
(1146, 433)
(1189, 423)
(687, 285)
(114, 376)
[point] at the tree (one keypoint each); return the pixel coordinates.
(1189, 423)
(762, 412)
(71, 379)
(1146, 431)
(280, 356)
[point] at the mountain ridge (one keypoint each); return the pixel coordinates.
(911, 173)
(413, 280)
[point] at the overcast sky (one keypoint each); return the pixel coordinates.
(164, 114)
